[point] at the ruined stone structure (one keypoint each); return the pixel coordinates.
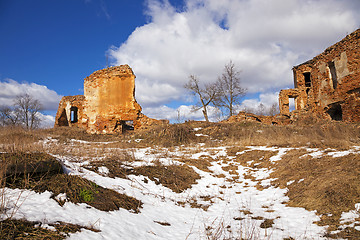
(328, 84)
(108, 104)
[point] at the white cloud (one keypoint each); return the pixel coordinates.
(267, 99)
(264, 38)
(47, 121)
(182, 113)
(10, 88)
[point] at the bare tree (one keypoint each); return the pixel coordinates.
(27, 110)
(8, 117)
(206, 94)
(228, 88)
(274, 109)
(261, 110)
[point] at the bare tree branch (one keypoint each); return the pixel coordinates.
(206, 94)
(8, 117)
(229, 88)
(27, 110)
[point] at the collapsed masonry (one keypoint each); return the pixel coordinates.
(329, 84)
(107, 106)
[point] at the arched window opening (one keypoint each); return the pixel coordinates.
(73, 114)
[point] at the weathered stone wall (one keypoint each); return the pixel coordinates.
(328, 84)
(71, 112)
(110, 98)
(108, 104)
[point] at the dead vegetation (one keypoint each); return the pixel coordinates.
(63, 134)
(203, 163)
(334, 134)
(175, 176)
(256, 158)
(80, 190)
(329, 185)
(168, 135)
(23, 229)
(41, 172)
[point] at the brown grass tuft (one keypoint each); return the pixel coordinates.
(80, 190)
(168, 135)
(202, 163)
(176, 177)
(23, 229)
(326, 184)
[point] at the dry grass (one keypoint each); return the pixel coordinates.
(41, 172)
(256, 158)
(332, 134)
(63, 134)
(328, 185)
(168, 135)
(22, 229)
(80, 190)
(17, 139)
(176, 177)
(202, 163)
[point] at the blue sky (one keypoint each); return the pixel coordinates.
(58, 43)
(48, 47)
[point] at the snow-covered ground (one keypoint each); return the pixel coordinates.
(235, 206)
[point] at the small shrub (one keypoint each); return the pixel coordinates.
(86, 195)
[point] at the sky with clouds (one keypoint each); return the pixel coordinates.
(164, 42)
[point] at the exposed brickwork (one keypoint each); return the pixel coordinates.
(328, 84)
(279, 119)
(108, 104)
(63, 115)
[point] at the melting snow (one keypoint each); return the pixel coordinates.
(236, 203)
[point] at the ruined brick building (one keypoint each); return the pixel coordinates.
(108, 104)
(328, 84)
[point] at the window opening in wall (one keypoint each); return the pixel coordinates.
(291, 104)
(73, 114)
(335, 111)
(333, 75)
(307, 79)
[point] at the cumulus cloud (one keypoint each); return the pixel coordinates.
(182, 113)
(47, 121)
(266, 99)
(10, 88)
(264, 38)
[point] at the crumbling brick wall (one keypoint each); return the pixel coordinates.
(110, 99)
(71, 112)
(328, 84)
(108, 104)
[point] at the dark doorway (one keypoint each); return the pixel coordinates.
(123, 126)
(63, 121)
(307, 78)
(128, 125)
(73, 114)
(335, 111)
